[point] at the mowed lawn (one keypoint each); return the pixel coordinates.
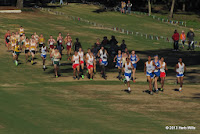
(34, 102)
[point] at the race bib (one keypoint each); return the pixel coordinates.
(51, 43)
(69, 44)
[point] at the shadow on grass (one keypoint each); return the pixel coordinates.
(196, 96)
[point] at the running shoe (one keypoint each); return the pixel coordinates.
(82, 76)
(32, 62)
(157, 91)
(78, 77)
(134, 81)
(56, 76)
(161, 89)
(74, 77)
(151, 93)
(91, 79)
(16, 63)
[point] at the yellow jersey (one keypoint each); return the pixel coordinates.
(17, 48)
(33, 46)
(21, 31)
(41, 40)
(27, 45)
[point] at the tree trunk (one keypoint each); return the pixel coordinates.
(149, 4)
(20, 4)
(172, 9)
(183, 7)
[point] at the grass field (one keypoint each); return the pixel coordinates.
(34, 102)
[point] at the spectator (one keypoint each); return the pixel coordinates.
(183, 38)
(113, 46)
(123, 7)
(113, 41)
(123, 46)
(61, 2)
(190, 36)
(77, 45)
(105, 41)
(97, 45)
(175, 37)
(129, 5)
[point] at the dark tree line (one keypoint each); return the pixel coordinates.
(139, 5)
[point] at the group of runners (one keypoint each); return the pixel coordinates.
(125, 62)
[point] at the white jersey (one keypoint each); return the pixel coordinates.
(18, 37)
(81, 54)
(69, 44)
(149, 67)
(90, 60)
(103, 56)
(43, 50)
(180, 68)
(51, 42)
(127, 68)
(76, 59)
(162, 69)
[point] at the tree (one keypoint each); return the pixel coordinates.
(172, 9)
(149, 5)
(20, 4)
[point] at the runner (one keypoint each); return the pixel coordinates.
(124, 56)
(21, 31)
(103, 61)
(156, 64)
(13, 36)
(33, 46)
(76, 65)
(36, 37)
(128, 67)
(119, 63)
(41, 41)
(86, 57)
(81, 55)
(13, 44)
(90, 64)
(180, 69)
(134, 59)
(68, 42)
(27, 49)
(56, 59)
(17, 36)
(60, 41)
(23, 39)
(7, 39)
(17, 49)
(162, 72)
(148, 70)
(51, 43)
(44, 50)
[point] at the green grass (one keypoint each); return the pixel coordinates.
(33, 102)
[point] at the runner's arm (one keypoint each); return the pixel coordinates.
(144, 68)
(115, 58)
(138, 59)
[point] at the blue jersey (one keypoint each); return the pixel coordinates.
(119, 58)
(133, 59)
(157, 65)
